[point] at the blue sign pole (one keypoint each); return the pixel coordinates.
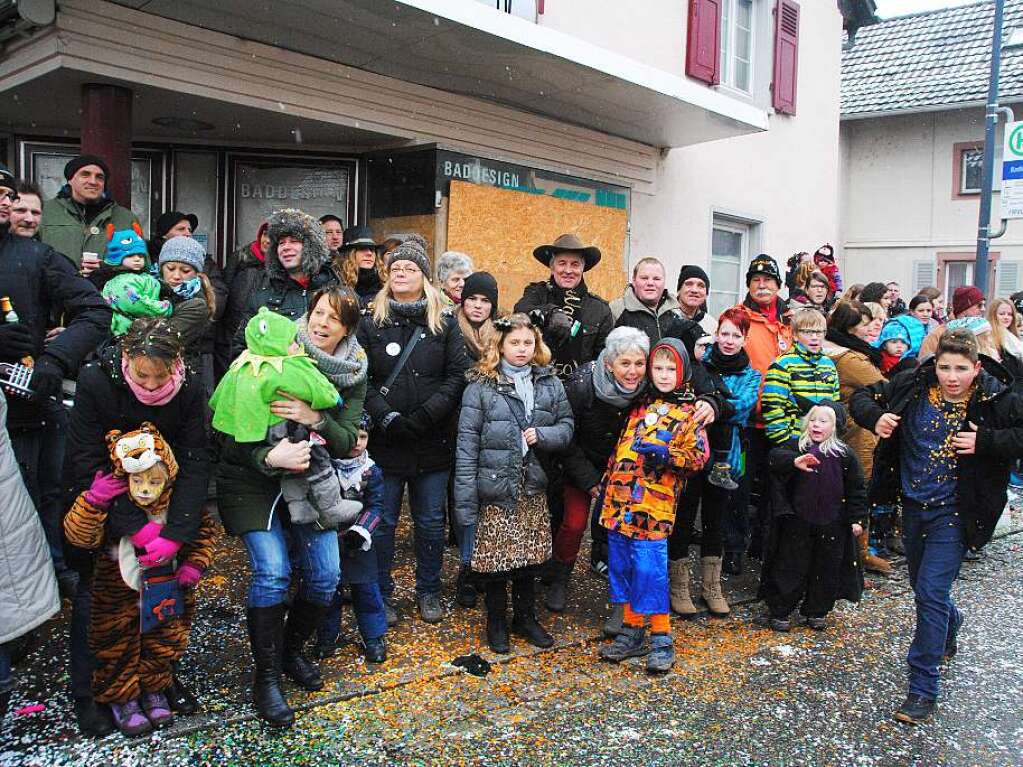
(991, 122)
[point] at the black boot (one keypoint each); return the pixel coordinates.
(181, 699)
(733, 563)
(465, 589)
(557, 591)
(496, 600)
(524, 613)
(93, 718)
(303, 619)
(266, 630)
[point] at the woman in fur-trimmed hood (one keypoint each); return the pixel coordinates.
(298, 263)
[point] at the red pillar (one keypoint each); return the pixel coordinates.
(106, 132)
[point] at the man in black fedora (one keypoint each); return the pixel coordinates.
(575, 322)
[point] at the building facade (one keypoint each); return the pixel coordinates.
(697, 131)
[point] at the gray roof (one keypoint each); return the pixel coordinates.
(930, 61)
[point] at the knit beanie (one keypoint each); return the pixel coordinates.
(840, 415)
(763, 265)
(412, 248)
(184, 250)
(124, 243)
(894, 331)
(966, 297)
(482, 284)
(75, 164)
(872, 292)
(688, 272)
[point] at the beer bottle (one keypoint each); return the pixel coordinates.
(7, 309)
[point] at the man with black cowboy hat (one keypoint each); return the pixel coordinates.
(75, 221)
(575, 322)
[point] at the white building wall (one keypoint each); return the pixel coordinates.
(898, 202)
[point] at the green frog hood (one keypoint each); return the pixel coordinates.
(269, 334)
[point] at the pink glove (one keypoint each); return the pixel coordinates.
(104, 488)
(188, 574)
(158, 551)
(149, 532)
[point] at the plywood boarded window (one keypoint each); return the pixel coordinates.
(499, 228)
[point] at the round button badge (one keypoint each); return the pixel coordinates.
(393, 349)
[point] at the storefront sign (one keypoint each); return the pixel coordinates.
(260, 189)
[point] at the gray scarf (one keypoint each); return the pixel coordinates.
(607, 387)
(522, 380)
(345, 368)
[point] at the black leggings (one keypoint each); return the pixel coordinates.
(699, 495)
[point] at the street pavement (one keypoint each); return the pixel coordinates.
(738, 695)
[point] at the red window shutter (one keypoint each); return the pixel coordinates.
(786, 56)
(703, 46)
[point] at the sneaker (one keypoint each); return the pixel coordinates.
(915, 709)
(390, 612)
(817, 624)
(952, 643)
(430, 609)
(599, 567)
(324, 650)
(613, 625)
(768, 621)
(129, 718)
(631, 643)
(157, 709)
(721, 476)
(375, 650)
(662, 654)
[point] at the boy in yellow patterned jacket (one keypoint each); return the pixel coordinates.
(662, 442)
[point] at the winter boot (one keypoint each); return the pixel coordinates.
(465, 589)
(870, 562)
(181, 699)
(375, 650)
(94, 719)
(662, 654)
(496, 600)
(266, 633)
(613, 625)
(721, 476)
(524, 622)
(303, 619)
(557, 592)
(681, 601)
(631, 643)
(732, 563)
(710, 589)
(915, 709)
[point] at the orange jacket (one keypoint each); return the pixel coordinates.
(766, 340)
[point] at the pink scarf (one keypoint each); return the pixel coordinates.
(160, 396)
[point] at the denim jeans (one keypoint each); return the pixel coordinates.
(368, 606)
(40, 456)
(273, 553)
(935, 544)
(427, 496)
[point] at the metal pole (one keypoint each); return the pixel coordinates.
(988, 171)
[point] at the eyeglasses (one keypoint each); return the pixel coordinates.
(405, 270)
(8, 194)
(812, 332)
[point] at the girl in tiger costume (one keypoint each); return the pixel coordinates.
(137, 637)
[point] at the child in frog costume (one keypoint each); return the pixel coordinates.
(125, 282)
(274, 363)
(135, 657)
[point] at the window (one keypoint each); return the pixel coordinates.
(737, 44)
(956, 270)
(968, 166)
(971, 161)
(524, 9)
(729, 255)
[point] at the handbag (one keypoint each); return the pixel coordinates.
(161, 598)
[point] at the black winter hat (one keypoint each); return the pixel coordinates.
(482, 284)
(765, 265)
(170, 219)
(872, 292)
(75, 164)
(840, 415)
(688, 272)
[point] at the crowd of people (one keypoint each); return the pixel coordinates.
(295, 397)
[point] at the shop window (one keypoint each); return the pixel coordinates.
(737, 19)
(729, 257)
(196, 190)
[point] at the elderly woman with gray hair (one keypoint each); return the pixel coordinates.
(452, 269)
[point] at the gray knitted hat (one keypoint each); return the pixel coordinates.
(184, 250)
(412, 248)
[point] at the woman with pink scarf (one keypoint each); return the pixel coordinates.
(141, 378)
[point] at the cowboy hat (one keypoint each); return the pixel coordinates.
(568, 243)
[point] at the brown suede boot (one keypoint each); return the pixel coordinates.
(710, 589)
(870, 562)
(681, 601)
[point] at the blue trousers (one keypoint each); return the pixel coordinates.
(368, 606)
(427, 497)
(935, 544)
(638, 573)
(274, 552)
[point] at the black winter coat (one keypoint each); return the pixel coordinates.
(104, 402)
(428, 390)
(42, 283)
(983, 478)
(243, 275)
(594, 317)
(666, 321)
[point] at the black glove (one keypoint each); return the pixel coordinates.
(16, 342)
(400, 430)
(559, 328)
(47, 378)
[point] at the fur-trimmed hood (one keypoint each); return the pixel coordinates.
(315, 254)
